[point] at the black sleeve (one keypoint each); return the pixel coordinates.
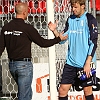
(92, 24)
(36, 38)
(2, 42)
(66, 26)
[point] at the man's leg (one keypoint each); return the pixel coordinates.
(68, 78)
(88, 93)
(88, 87)
(22, 72)
(25, 74)
(63, 91)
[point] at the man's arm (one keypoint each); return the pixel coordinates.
(2, 42)
(53, 27)
(92, 24)
(87, 66)
(42, 42)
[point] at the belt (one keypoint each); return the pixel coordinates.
(22, 59)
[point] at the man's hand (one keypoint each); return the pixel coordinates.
(87, 66)
(52, 26)
(87, 69)
(62, 37)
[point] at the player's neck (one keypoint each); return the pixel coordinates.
(82, 12)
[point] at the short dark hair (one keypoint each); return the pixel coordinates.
(81, 2)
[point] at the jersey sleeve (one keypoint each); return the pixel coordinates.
(92, 24)
(66, 26)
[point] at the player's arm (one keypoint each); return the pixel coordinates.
(53, 26)
(93, 28)
(92, 44)
(87, 67)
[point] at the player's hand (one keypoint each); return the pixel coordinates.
(52, 26)
(63, 37)
(87, 69)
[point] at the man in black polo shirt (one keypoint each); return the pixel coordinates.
(17, 37)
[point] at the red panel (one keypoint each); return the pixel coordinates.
(64, 4)
(5, 6)
(41, 7)
(31, 7)
(97, 4)
(12, 10)
(56, 6)
(44, 6)
(0, 9)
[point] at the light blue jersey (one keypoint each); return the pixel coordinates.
(80, 40)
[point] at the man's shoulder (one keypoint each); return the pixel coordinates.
(8, 23)
(89, 16)
(91, 19)
(5, 25)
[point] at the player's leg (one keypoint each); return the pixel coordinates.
(63, 91)
(88, 93)
(87, 87)
(87, 84)
(68, 76)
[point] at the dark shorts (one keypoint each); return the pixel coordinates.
(70, 76)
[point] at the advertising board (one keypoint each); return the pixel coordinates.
(41, 86)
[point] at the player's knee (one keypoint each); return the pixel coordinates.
(88, 90)
(62, 91)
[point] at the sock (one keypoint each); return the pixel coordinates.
(89, 97)
(63, 98)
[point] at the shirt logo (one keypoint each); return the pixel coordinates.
(76, 31)
(94, 28)
(17, 33)
(82, 23)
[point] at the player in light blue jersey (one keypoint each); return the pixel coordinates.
(81, 28)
